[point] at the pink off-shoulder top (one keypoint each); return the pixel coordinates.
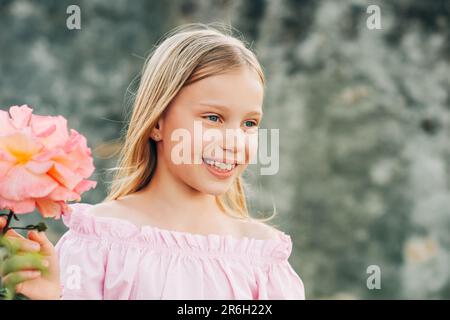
(111, 258)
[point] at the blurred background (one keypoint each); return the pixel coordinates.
(363, 114)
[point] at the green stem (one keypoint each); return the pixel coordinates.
(8, 221)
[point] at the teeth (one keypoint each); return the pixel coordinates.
(220, 165)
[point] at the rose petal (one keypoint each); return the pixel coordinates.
(43, 126)
(20, 116)
(6, 156)
(84, 186)
(39, 167)
(20, 145)
(58, 137)
(4, 168)
(63, 194)
(80, 153)
(19, 184)
(52, 154)
(19, 207)
(49, 208)
(65, 208)
(64, 176)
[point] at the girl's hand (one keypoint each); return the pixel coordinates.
(35, 278)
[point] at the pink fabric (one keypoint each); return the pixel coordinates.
(111, 258)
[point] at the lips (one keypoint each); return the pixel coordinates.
(219, 169)
(220, 164)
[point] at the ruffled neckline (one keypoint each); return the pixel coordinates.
(121, 230)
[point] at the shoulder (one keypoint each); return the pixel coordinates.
(105, 209)
(83, 216)
(260, 230)
(119, 209)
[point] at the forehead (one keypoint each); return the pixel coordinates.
(240, 88)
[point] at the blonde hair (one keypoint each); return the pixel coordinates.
(186, 54)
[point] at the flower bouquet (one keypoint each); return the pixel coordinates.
(42, 166)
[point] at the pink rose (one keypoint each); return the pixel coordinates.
(41, 164)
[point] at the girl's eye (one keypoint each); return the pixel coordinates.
(213, 117)
(250, 124)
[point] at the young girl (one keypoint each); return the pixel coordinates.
(171, 230)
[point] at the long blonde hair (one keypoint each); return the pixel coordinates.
(185, 55)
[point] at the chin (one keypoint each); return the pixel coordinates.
(205, 183)
(215, 190)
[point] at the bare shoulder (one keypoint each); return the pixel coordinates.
(261, 230)
(122, 209)
(110, 209)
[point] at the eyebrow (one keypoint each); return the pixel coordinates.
(224, 107)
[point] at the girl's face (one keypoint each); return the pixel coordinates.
(214, 119)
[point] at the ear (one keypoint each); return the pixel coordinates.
(156, 133)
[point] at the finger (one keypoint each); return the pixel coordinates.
(15, 278)
(46, 246)
(14, 233)
(23, 262)
(11, 244)
(21, 243)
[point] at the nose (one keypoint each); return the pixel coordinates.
(233, 143)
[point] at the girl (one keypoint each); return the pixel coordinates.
(171, 229)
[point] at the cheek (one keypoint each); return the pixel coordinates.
(181, 146)
(181, 153)
(186, 172)
(251, 148)
(179, 128)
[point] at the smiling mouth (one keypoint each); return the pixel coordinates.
(220, 169)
